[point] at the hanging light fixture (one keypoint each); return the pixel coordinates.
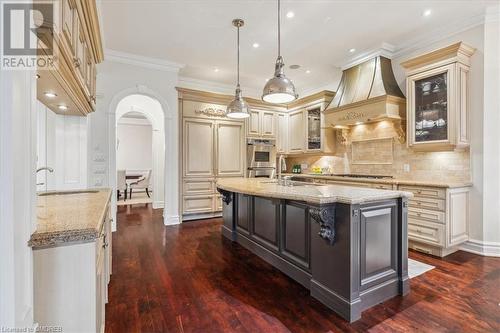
(238, 108)
(279, 89)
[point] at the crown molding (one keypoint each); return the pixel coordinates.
(214, 87)
(424, 40)
(384, 50)
(141, 61)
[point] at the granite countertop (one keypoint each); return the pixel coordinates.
(69, 216)
(393, 181)
(312, 193)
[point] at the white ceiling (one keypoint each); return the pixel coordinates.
(199, 33)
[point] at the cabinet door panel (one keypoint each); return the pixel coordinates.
(230, 147)
(378, 244)
(268, 125)
(243, 214)
(296, 133)
(265, 221)
(282, 135)
(68, 13)
(295, 234)
(198, 147)
(253, 124)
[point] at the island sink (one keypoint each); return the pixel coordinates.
(347, 245)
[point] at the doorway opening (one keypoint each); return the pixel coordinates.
(140, 151)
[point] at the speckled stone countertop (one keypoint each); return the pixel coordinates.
(312, 193)
(392, 181)
(69, 216)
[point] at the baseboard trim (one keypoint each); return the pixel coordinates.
(487, 249)
(171, 220)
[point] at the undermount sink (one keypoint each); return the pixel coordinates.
(67, 192)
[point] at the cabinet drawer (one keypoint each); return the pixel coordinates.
(420, 191)
(425, 214)
(382, 186)
(427, 203)
(193, 187)
(198, 204)
(431, 233)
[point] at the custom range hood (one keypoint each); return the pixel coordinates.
(368, 92)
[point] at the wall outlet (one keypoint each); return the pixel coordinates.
(304, 166)
(406, 167)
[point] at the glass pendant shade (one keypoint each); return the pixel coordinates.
(238, 108)
(279, 89)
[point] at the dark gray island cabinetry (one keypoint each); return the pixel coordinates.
(347, 245)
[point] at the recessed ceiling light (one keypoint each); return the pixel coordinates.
(255, 45)
(216, 69)
(290, 14)
(352, 50)
(294, 66)
(308, 72)
(62, 107)
(50, 94)
(267, 80)
(427, 12)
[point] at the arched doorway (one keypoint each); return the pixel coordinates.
(151, 110)
(170, 161)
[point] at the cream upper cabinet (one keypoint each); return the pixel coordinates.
(230, 149)
(253, 123)
(198, 147)
(282, 133)
(261, 124)
(437, 105)
(268, 124)
(296, 132)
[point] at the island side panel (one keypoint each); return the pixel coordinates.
(332, 264)
(228, 214)
(404, 280)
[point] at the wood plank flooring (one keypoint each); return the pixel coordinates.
(188, 278)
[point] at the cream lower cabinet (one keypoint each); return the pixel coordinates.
(71, 284)
(212, 149)
(438, 219)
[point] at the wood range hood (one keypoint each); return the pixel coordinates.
(367, 92)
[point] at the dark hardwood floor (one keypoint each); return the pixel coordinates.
(188, 278)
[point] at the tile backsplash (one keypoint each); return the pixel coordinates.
(439, 166)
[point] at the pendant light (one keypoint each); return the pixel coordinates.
(238, 108)
(279, 89)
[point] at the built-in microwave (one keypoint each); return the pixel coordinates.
(261, 158)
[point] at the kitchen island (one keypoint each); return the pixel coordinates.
(347, 245)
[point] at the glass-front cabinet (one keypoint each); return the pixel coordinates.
(314, 129)
(437, 99)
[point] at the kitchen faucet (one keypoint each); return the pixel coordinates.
(281, 163)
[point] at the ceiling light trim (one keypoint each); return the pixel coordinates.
(142, 61)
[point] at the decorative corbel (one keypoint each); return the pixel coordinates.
(226, 196)
(325, 216)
